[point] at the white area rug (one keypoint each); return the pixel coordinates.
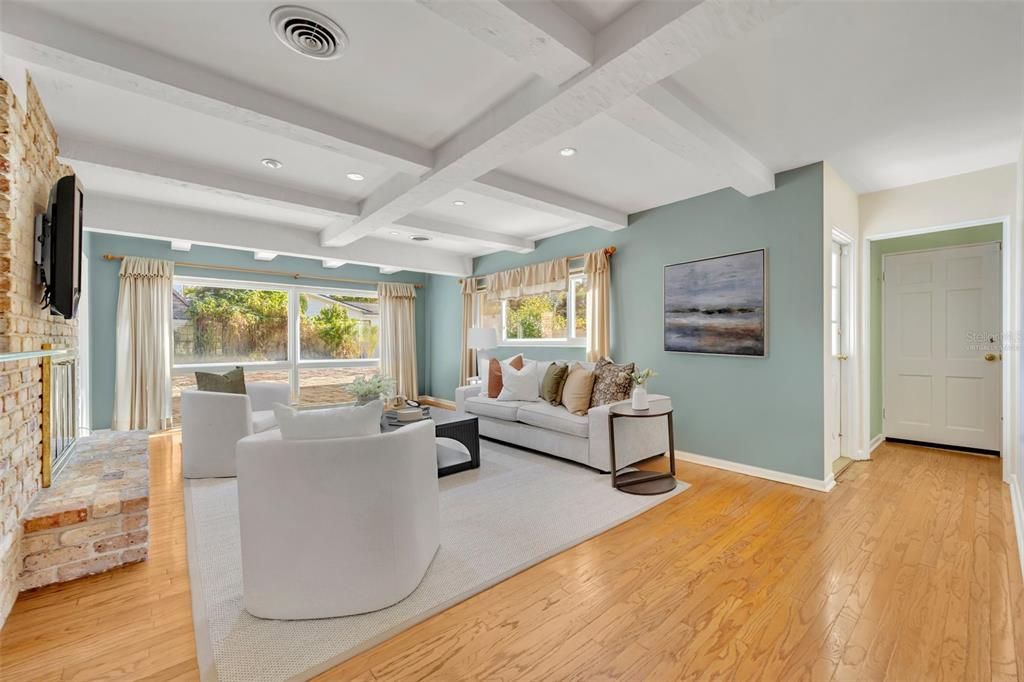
(516, 510)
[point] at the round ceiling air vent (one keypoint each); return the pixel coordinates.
(308, 32)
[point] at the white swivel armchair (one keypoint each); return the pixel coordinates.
(336, 527)
(212, 423)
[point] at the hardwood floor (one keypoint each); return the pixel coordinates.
(907, 570)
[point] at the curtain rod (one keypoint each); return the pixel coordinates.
(608, 251)
(257, 271)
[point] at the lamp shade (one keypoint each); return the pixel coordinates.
(482, 338)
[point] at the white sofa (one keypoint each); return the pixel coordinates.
(552, 429)
(212, 423)
(336, 527)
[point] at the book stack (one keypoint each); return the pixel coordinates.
(406, 415)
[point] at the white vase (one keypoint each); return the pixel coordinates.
(640, 398)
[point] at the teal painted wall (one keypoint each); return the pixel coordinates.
(444, 335)
(103, 285)
(763, 412)
(933, 240)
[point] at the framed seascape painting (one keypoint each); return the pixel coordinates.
(716, 306)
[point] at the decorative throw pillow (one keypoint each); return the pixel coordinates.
(612, 382)
(229, 382)
(577, 389)
(554, 380)
(494, 374)
(331, 422)
(519, 384)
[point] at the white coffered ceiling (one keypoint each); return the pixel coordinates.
(165, 108)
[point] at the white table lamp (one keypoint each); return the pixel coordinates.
(481, 339)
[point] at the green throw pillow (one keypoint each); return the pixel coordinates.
(554, 381)
(230, 382)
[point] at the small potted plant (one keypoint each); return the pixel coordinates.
(368, 389)
(640, 389)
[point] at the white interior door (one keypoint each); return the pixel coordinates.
(941, 361)
(836, 303)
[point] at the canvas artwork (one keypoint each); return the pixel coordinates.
(716, 305)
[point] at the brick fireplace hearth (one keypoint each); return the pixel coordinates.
(95, 516)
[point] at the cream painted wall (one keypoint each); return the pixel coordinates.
(985, 196)
(978, 197)
(841, 212)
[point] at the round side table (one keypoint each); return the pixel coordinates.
(643, 482)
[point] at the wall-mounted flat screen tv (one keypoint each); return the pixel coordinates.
(59, 248)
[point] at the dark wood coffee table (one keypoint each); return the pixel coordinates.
(458, 426)
(643, 482)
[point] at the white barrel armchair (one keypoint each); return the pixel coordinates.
(336, 527)
(212, 423)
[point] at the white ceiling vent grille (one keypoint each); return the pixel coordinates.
(308, 32)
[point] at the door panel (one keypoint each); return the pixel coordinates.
(941, 319)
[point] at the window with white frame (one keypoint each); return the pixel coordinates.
(554, 318)
(315, 339)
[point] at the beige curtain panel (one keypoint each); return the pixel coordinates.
(467, 367)
(597, 267)
(142, 388)
(540, 278)
(398, 336)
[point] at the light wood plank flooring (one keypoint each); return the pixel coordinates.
(906, 571)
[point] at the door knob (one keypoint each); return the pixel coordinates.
(991, 357)
(842, 356)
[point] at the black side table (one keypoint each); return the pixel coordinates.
(643, 482)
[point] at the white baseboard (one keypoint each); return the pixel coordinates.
(750, 470)
(875, 442)
(1018, 515)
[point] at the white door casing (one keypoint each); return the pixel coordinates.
(836, 304)
(942, 319)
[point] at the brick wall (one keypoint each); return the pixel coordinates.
(28, 169)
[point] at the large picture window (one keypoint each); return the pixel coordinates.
(317, 340)
(338, 326)
(222, 324)
(553, 318)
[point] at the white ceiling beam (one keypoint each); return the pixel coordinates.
(516, 190)
(172, 172)
(48, 41)
(105, 213)
(492, 240)
(82, 154)
(669, 116)
(535, 33)
(649, 43)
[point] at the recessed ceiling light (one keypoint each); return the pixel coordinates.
(264, 255)
(271, 163)
(458, 202)
(419, 238)
(394, 233)
(567, 151)
(355, 177)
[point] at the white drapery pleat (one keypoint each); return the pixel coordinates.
(467, 368)
(142, 390)
(398, 336)
(597, 267)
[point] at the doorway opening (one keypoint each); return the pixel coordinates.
(936, 338)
